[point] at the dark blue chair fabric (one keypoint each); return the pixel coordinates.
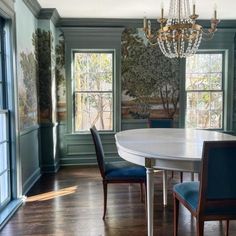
(160, 123)
(124, 170)
(189, 192)
(221, 173)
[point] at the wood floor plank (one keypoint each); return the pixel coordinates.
(70, 203)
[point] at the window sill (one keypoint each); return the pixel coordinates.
(9, 210)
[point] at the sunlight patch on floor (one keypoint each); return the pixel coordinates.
(52, 194)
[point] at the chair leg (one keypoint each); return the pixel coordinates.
(176, 215)
(172, 174)
(141, 192)
(227, 228)
(104, 199)
(181, 177)
(200, 227)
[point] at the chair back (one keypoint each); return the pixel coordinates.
(99, 150)
(160, 123)
(218, 175)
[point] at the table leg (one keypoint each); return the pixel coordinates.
(150, 196)
(165, 187)
(192, 176)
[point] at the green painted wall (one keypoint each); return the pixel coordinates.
(146, 62)
(26, 24)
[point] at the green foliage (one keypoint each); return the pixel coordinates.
(147, 75)
(28, 98)
(42, 40)
(60, 62)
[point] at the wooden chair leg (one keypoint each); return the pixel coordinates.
(105, 199)
(141, 192)
(176, 216)
(181, 177)
(227, 228)
(200, 227)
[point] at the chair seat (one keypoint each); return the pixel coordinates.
(124, 170)
(189, 192)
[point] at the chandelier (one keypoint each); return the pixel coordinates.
(179, 35)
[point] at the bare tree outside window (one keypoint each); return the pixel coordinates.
(204, 90)
(93, 90)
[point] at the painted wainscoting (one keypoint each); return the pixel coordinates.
(29, 154)
(78, 149)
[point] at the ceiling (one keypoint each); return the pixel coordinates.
(134, 8)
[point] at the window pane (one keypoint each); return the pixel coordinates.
(93, 72)
(3, 157)
(4, 183)
(216, 81)
(3, 134)
(93, 109)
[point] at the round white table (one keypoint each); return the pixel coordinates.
(167, 149)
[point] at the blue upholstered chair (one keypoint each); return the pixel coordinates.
(116, 172)
(160, 123)
(214, 197)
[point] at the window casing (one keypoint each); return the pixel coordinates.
(93, 90)
(204, 87)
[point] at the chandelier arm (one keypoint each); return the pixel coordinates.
(207, 35)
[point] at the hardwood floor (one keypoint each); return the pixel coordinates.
(71, 203)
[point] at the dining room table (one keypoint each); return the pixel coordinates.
(177, 149)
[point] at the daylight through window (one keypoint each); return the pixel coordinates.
(204, 91)
(93, 90)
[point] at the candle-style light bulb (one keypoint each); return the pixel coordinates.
(149, 27)
(145, 23)
(215, 11)
(162, 10)
(194, 7)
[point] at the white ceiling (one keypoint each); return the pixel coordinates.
(134, 8)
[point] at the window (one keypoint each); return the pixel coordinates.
(93, 90)
(5, 184)
(204, 91)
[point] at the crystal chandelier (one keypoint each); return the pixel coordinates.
(179, 35)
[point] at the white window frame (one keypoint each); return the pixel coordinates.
(113, 85)
(222, 90)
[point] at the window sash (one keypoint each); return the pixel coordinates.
(77, 92)
(197, 111)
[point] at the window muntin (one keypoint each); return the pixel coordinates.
(204, 91)
(93, 90)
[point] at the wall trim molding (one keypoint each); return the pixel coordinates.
(31, 181)
(29, 130)
(51, 168)
(7, 8)
(49, 14)
(33, 6)
(137, 23)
